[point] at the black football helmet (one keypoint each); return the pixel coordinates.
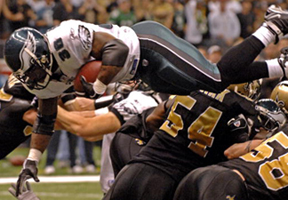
(27, 54)
(270, 114)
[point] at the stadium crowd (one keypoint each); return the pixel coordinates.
(212, 26)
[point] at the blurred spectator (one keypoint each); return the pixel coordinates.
(86, 155)
(231, 5)
(143, 9)
(179, 19)
(203, 51)
(224, 26)
(214, 53)
(20, 6)
(44, 13)
(90, 11)
(123, 15)
(163, 12)
(4, 26)
(77, 3)
(246, 18)
(196, 24)
(70, 144)
(35, 4)
(112, 6)
(64, 10)
(52, 150)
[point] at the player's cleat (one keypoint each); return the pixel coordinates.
(49, 169)
(90, 168)
(282, 61)
(76, 169)
(277, 21)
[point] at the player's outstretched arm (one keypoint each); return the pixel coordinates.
(43, 129)
(88, 127)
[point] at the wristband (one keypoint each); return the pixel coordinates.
(99, 87)
(35, 155)
(101, 111)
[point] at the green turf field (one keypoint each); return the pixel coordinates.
(52, 191)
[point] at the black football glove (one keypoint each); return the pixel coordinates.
(29, 171)
(88, 88)
(27, 193)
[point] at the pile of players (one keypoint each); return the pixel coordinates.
(179, 146)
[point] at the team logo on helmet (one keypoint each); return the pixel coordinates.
(28, 47)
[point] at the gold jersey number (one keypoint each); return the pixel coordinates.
(267, 169)
(199, 131)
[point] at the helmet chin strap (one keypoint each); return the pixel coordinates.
(35, 58)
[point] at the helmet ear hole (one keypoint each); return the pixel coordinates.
(26, 49)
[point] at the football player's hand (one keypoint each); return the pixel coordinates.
(29, 171)
(88, 88)
(27, 193)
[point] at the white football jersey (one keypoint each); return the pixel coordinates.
(71, 45)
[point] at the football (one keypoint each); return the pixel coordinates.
(90, 71)
(17, 160)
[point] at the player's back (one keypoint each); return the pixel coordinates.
(195, 132)
(265, 168)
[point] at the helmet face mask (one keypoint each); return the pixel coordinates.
(270, 115)
(27, 54)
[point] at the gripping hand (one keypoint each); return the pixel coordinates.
(29, 171)
(88, 88)
(27, 193)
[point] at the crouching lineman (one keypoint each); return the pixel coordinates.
(259, 174)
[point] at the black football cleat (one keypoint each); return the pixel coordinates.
(277, 21)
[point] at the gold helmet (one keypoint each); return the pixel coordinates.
(280, 95)
(249, 89)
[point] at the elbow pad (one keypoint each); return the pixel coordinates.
(114, 53)
(44, 124)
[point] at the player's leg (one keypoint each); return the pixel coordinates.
(138, 181)
(106, 171)
(123, 148)
(235, 66)
(170, 64)
(210, 183)
(167, 61)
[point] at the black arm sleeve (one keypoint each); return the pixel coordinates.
(44, 124)
(114, 53)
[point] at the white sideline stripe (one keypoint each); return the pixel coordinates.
(55, 179)
(55, 194)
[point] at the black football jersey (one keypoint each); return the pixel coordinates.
(265, 168)
(14, 102)
(14, 87)
(195, 132)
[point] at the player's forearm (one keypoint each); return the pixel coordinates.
(239, 149)
(39, 141)
(69, 121)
